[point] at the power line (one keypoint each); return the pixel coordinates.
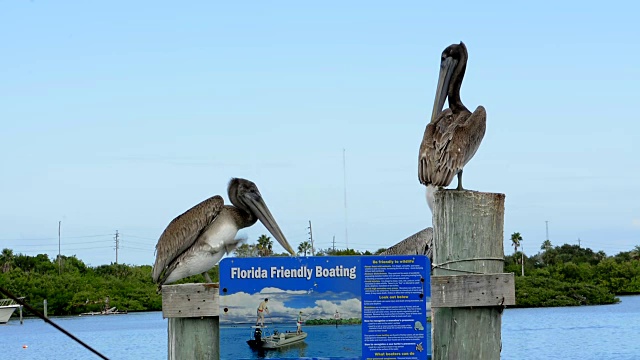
(85, 236)
(117, 245)
(124, 245)
(90, 248)
(67, 249)
(133, 248)
(136, 242)
(59, 257)
(138, 237)
(30, 239)
(344, 170)
(55, 238)
(66, 243)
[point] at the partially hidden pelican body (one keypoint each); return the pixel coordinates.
(195, 241)
(453, 135)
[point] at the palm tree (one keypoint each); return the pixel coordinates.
(304, 247)
(546, 245)
(6, 259)
(515, 240)
(519, 257)
(265, 245)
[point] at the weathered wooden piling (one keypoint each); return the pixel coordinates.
(468, 288)
(44, 304)
(193, 321)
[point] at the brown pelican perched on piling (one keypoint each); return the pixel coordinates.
(195, 241)
(453, 135)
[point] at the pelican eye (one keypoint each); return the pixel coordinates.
(254, 192)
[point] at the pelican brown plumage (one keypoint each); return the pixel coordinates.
(453, 135)
(195, 241)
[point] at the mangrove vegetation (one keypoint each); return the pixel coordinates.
(570, 275)
(564, 275)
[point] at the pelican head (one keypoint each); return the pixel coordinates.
(451, 56)
(244, 194)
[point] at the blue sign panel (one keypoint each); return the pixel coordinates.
(394, 291)
(329, 307)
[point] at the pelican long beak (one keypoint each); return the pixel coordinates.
(257, 204)
(446, 69)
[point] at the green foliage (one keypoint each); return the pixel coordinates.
(6, 259)
(304, 248)
(380, 251)
(246, 250)
(559, 276)
(516, 238)
(78, 288)
(538, 291)
(265, 245)
(546, 245)
(569, 275)
(345, 252)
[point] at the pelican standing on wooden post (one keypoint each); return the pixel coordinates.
(195, 241)
(453, 135)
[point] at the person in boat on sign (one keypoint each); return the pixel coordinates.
(262, 308)
(299, 323)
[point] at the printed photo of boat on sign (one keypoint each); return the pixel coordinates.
(290, 307)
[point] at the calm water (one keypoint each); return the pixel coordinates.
(131, 336)
(322, 341)
(584, 333)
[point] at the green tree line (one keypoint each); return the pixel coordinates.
(264, 247)
(74, 287)
(556, 276)
(571, 275)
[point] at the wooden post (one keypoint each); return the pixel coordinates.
(45, 307)
(193, 329)
(468, 289)
(20, 314)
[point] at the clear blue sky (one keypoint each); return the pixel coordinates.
(122, 115)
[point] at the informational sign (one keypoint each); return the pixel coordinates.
(394, 292)
(329, 307)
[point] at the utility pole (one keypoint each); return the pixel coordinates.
(547, 223)
(578, 242)
(344, 170)
(117, 244)
(59, 257)
(334, 244)
(522, 261)
(313, 252)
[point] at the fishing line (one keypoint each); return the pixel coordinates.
(38, 314)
